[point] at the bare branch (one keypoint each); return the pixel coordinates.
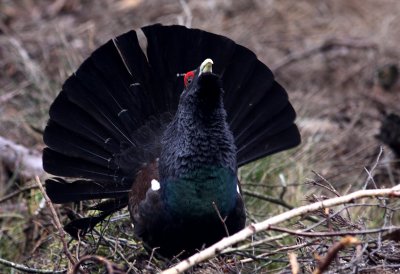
(276, 251)
(334, 233)
(15, 193)
(370, 173)
(330, 187)
(29, 269)
(293, 262)
(220, 218)
(57, 222)
(267, 198)
(333, 251)
(110, 266)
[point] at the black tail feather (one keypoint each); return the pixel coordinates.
(134, 58)
(60, 191)
(242, 100)
(271, 127)
(80, 227)
(111, 204)
(72, 144)
(261, 114)
(64, 113)
(105, 114)
(57, 163)
(271, 145)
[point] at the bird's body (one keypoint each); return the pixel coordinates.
(197, 173)
(167, 147)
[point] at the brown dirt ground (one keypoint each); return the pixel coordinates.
(325, 53)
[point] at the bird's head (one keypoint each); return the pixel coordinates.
(202, 89)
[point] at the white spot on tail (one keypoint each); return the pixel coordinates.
(155, 185)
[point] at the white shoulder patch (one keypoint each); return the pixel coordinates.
(237, 189)
(155, 185)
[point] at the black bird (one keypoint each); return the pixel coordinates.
(127, 128)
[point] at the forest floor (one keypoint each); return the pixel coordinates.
(329, 55)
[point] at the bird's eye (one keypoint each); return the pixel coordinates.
(188, 78)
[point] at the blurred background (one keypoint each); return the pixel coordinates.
(338, 60)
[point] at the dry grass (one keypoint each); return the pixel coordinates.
(325, 53)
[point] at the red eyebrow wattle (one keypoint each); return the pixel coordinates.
(188, 75)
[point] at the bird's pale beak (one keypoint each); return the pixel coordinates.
(206, 66)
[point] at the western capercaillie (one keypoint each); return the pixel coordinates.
(129, 129)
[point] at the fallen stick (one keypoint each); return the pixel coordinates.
(57, 224)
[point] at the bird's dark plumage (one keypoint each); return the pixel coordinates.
(126, 120)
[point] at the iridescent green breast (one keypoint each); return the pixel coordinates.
(193, 194)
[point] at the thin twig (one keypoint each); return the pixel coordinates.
(370, 172)
(57, 223)
(276, 251)
(117, 245)
(267, 198)
(110, 266)
(330, 188)
(153, 251)
(333, 233)
(29, 269)
(112, 243)
(221, 219)
(15, 193)
(273, 200)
